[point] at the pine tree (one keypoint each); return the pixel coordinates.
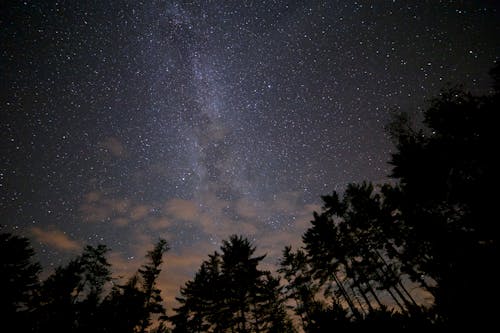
(129, 307)
(69, 299)
(153, 302)
(230, 294)
(442, 205)
(18, 280)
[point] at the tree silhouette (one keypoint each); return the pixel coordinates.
(203, 308)
(433, 227)
(131, 306)
(303, 290)
(96, 273)
(230, 294)
(73, 298)
(153, 302)
(70, 297)
(18, 280)
(348, 252)
(240, 274)
(267, 306)
(442, 205)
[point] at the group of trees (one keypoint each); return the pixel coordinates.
(79, 296)
(373, 249)
(230, 294)
(365, 259)
(432, 230)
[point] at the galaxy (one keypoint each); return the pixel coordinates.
(126, 121)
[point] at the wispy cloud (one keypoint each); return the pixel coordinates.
(159, 223)
(98, 208)
(182, 209)
(120, 221)
(139, 212)
(55, 238)
(114, 146)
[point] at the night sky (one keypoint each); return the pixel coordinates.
(125, 121)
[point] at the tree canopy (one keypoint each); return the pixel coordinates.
(230, 294)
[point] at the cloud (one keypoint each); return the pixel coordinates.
(97, 208)
(286, 202)
(93, 196)
(120, 206)
(121, 221)
(160, 223)
(139, 212)
(182, 209)
(113, 146)
(272, 244)
(304, 216)
(123, 267)
(285, 217)
(221, 227)
(247, 208)
(95, 212)
(55, 238)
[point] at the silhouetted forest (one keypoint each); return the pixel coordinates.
(366, 257)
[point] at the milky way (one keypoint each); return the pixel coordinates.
(125, 121)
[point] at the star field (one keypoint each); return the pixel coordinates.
(124, 121)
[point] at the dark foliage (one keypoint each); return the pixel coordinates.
(230, 294)
(18, 280)
(73, 298)
(432, 231)
(443, 205)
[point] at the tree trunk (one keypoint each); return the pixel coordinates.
(408, 303)
(363, 294)
(353, 291)
(364, 278)
(346, 297)
(374, 294)
(401, 307)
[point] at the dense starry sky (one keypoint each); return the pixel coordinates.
(125, 121)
